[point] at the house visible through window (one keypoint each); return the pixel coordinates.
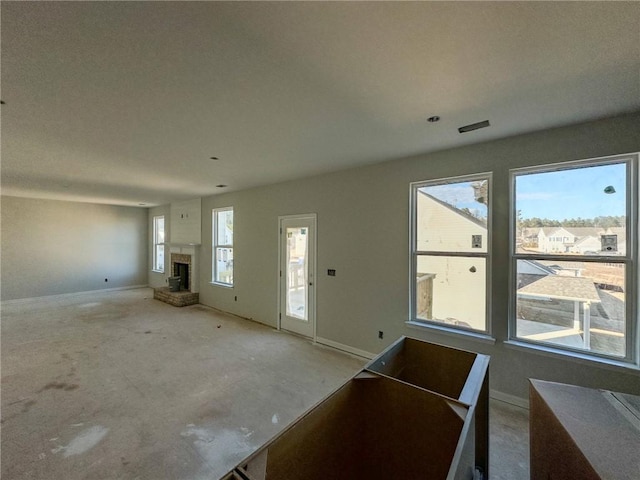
(450, 252)
(158, 244)
(223, 246)
(574, 263)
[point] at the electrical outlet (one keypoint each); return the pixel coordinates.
(380, 334)
(235, 299)
(331, 272)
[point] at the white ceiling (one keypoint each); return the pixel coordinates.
(124, 102)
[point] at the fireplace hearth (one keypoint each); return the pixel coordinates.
(177, 299)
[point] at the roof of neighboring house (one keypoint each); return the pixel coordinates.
(620, 231)
(562, 265)
(562, 288)
(548, 230)
(544, 269)
(582, 232)
(462, 213)
(589, 238)
(585, 231)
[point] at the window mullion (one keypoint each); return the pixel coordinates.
(453, 254)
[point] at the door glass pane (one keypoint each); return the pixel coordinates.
(296, 275)
(578, 211)
(452, 290)
(452, 217)
(575, 304)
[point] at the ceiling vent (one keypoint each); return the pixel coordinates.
(474, 126)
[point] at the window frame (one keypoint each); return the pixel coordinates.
(156, 243)
(215, 245)
(629, 260)
(415, 254)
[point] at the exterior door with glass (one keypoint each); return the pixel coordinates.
(297, 274)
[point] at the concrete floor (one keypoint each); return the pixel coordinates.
(121, 386)
(508, 441)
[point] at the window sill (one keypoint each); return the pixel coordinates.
(218, 284)
(452, 332)
(157, 271)
(582, 358)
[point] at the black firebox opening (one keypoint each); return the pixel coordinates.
(182, 270)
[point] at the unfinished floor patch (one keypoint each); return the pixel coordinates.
(218, 446)
(90, 305)
(83, 442)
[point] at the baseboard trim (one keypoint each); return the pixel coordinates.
(345, 348)
(18, 301)
(511, 399)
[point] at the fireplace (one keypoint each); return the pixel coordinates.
(181, 266)
(182, 270)
(184, 265)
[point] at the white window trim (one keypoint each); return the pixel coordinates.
(214, 245)
(156, 243)
(414, 253)
(632, 283)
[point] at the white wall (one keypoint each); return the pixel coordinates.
(363, 233)
(52, 247)
(185, 218)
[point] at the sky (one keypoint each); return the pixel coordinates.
(556, 195)
(460, 195)
(579, 192)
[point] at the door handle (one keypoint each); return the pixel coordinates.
(311, 284)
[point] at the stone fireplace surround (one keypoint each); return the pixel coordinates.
(181, 254)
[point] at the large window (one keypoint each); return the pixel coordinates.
(158, 244)
(223, 246)
(450, 252)
(574, 264)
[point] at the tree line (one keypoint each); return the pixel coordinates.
(599, 222)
